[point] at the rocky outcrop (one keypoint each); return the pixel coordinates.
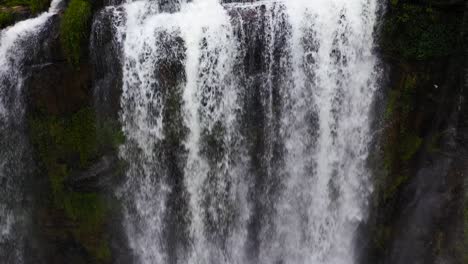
(99, 176)
(76, 158)
(418, 208)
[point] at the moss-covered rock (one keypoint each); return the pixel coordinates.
(421, 42)
(402, 138)
(70, 143)
(6, 18)
(420, 32)
(74, 29)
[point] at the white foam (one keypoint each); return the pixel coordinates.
(331, 78)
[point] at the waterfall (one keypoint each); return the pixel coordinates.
(17, 44)
(247, 128)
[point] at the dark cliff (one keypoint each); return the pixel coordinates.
(420, 213)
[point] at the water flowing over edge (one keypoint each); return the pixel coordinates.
(16, 43)
(247, 129)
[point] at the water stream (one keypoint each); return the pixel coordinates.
(247, 129)
(17, 44)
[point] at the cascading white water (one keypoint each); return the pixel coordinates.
(325, 198)
(247, 129)
(16, 44)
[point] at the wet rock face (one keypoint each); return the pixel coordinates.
(418, 216)
(72, 216)
(55, 86)
(105, 51)
(425, 206)
(47, 82)
(98, 177)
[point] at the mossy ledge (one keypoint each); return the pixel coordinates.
(422, 45)
(72, 143)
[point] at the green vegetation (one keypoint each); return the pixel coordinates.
(90, 211)
(391, 104)
(71, 143)
(6, 19)
(410, 145)
(402, 143)
(382, 236)
(109, 136)
(417, 32)
(36, 6)
(74, 29)
(417, 37)
(397, 183)
(66, 138)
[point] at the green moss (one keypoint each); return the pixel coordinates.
(395, 186)
(400, 145)
(392, 104)
(69, 139)
(81, 135)
(71, 143)
(74, 29)
(109, 136)
(102, 252)
(382, 235)
(418, 33)
(36, 6)
(11, 3)
(6, 19)
(89, 210)
(390, 156)
(57, 175)
(75, 141)
(402, 141)
(409, 146)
